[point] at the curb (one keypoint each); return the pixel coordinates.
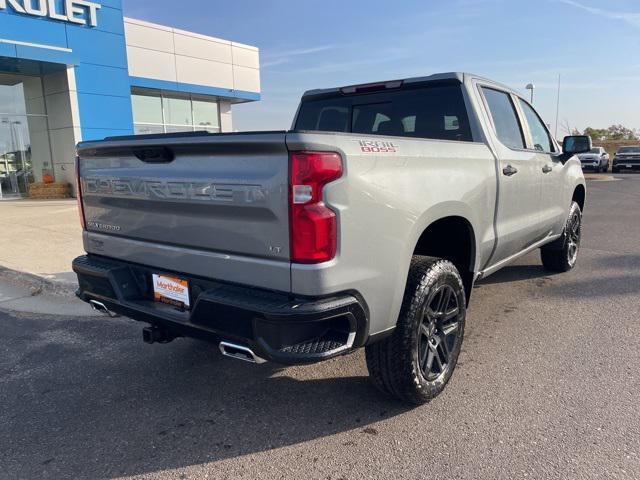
(39, 284)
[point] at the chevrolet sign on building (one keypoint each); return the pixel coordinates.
(73, 70)
(74, 11)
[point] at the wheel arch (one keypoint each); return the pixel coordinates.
(579, 195)
(452, 238)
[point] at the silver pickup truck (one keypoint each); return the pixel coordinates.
(365, 225)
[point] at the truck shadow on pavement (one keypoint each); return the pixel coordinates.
(620, 261)
(514, 273)
(611, 274)
(86, 399)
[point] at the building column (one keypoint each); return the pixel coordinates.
(61, 99)
(226, 120)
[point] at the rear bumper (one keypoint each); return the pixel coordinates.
(278, 327)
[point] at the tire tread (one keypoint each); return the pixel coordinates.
(389, 361)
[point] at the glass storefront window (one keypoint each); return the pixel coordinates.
(159, 112)
(147, 108)
(13, 157)
(25, 151)
(205, 114)
(177, 111)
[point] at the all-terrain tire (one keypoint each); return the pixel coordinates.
(562, 255)
(430, 327)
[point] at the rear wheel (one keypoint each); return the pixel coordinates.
(562, 255)
(415, 363)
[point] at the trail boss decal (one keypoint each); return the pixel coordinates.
(372, 146)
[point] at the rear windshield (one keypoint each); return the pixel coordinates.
(435, 112)
(629, 150)
(595, 150)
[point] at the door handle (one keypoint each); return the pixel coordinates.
(547, 169)
(509, 170)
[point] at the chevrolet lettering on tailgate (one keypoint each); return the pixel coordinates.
(163, 190)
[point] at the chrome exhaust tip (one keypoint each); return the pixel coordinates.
(101, 307)
(240, 352)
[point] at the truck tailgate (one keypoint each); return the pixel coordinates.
(215, 194)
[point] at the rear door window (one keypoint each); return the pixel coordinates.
(505, 120)
(433, 112)
(539, 133)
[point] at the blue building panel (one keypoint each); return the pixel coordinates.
(100, 133)
(28, 29)
(7, 50)
(153, 83)
(102, 80)
(220, 92)
(105, 111)
(110, 21)
(98, 48)
(46, 55)
(191, 88)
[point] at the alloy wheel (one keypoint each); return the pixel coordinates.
(439, 332)
(574, 238)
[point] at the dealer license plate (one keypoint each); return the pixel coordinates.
(171, 290)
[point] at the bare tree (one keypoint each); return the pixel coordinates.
(565, 127)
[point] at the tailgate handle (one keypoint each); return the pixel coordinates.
(154, 154)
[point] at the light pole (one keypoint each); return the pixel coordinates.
(558, 105)
(532, 87)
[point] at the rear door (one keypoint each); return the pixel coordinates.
(518, 220)
(551, 170)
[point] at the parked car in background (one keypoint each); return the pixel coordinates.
(596, 159)
(626, 158)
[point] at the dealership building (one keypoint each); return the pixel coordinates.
(74, 70)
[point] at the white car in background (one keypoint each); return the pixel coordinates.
(597, 159)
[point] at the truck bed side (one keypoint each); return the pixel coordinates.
(385, 201)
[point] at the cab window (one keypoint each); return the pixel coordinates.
(505, 119)
(539, 134)
(432, 111)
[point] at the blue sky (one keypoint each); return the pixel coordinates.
(305, 44)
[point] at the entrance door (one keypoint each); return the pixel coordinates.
(14, 156)
(25, 152)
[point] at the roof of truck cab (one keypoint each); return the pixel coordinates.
(461, 77)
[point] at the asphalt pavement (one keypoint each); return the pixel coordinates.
(548, 386)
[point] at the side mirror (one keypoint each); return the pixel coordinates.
(575, 144)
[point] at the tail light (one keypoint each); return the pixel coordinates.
(313, 226)
(79, 195)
